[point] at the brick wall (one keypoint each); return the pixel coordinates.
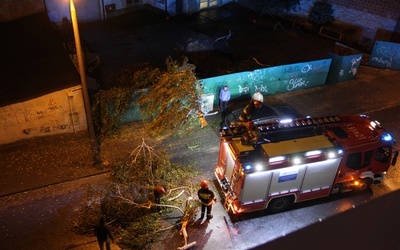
(12, 9)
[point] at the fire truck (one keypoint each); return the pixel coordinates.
(301, 159)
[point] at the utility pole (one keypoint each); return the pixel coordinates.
(85, 92)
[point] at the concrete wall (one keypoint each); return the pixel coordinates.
(272, 80)
(59, 112)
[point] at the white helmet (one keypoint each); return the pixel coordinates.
(257, 96)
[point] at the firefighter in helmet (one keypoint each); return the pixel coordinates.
(252, 135)
(159, 191)
(255, 102)
(207, 198)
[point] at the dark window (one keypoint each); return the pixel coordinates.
(382, 154)
(133, 1)
(367, 158)
(354, 161)
(339, 132)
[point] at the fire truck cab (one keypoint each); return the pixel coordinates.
(301, 159)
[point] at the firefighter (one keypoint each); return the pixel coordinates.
(252, 135)
(207, 198)
(255, 102)
(159, 191)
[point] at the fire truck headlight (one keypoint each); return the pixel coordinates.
(387, 137)
(259, 167)
(331, 154)
(296, 160)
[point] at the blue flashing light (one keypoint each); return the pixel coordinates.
(247, 167)
(387, 137)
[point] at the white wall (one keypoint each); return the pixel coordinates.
(59, 112)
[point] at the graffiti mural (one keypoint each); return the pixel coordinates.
(385, 55)
(50, 114)
(268, 81)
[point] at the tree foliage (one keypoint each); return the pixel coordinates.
(169, 98)
(108, 106)
(321, 13)
(128, 201)
(274, 8)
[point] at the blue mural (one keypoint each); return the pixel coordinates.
(272, 80)
(343, 68)
(385, 55)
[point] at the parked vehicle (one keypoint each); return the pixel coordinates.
(302, 159)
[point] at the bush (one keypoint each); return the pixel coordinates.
(321, 13)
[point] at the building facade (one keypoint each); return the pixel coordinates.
(370, 16)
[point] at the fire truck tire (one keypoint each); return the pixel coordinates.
(364, 185)
(280, 204)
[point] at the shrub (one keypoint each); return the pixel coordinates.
(321, 13)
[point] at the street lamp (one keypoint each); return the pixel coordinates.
(82, 73)
(85, 92)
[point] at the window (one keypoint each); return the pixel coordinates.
(382, 154)
(133, 2)
(354, 161)
(208, 3)
(367, 158)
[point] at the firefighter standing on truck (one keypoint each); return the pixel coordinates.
(255, 102)
(252, 135)
(207, 198)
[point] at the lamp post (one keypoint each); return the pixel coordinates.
(82, 73)
(85, 92)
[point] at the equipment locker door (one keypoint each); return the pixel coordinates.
(256, 187)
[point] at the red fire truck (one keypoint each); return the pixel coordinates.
(302, 159)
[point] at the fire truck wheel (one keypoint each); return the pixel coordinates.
(363, 184)
(280, 204)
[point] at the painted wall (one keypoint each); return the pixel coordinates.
(343, 68)
(59, 112)
(385, 55)
(272, 80)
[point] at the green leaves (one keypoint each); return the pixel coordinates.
(169, 98)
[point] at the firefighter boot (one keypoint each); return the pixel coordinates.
(209, 216)
(202, 216)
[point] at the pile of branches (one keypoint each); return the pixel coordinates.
(128, 201)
